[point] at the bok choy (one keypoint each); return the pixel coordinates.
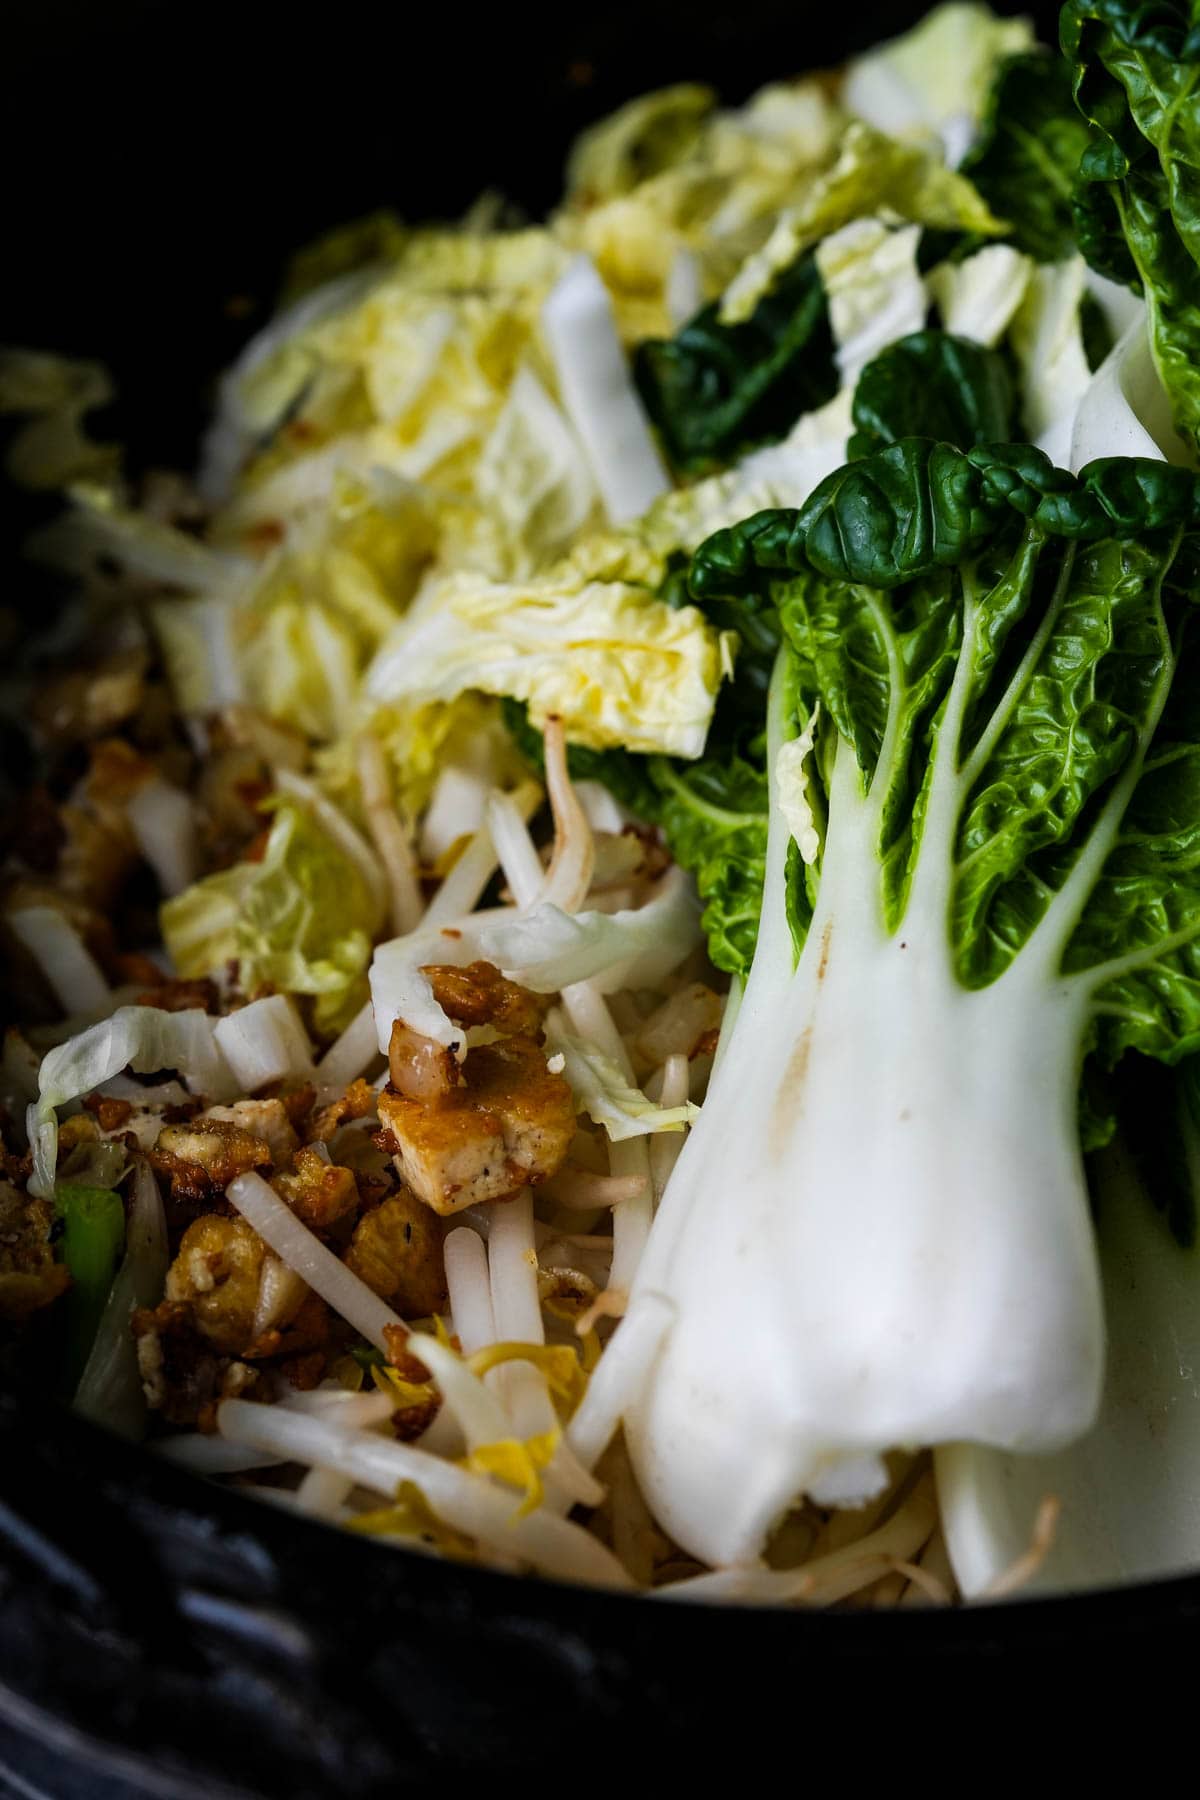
(878, 1235)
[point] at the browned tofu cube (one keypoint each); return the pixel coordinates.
(508, 1126)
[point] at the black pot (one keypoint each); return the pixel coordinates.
(163, 1637)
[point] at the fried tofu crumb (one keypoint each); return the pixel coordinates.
(397, 1251)
(480, 995)
(201, 1157)
(319, 1193)
(265, 1119)
(216, 1275)
(29, 1276)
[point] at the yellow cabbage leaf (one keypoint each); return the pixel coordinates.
(618, 665)
(872, 175)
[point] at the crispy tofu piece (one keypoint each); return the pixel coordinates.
(301, 1330)
(217, 1275)
(29, 1276)
(508, 1126)
(397, 1250)
(481, 995)
(230, 1302)
(319, 1193)
(98, 853)
(265, 1119)
(202, 1156)
(110, 1115)
(80, 1128)
(357, 1101)
(84, 703)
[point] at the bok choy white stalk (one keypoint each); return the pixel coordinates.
(1127, 1490)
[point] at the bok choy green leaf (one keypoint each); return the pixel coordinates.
(1135, 69)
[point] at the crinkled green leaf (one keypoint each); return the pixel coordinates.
(742, 372)
(1100, 234)
(1078, 730)
(1026, 159)
(933, 385)
(918, 505)
(716, 389)
(1078, 722)
(713, 813)
(1137, 82)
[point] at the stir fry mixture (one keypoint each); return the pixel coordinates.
(603, 919)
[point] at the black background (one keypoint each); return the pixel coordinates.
(161, 158)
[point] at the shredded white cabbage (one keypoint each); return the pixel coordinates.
(593, 377)
(547, 949)
(139, 1037)
(264, 1042)
(603, 1091)
(74, 974)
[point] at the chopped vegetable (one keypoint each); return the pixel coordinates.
(937, 76)
(138, 1037)
(92, 1239)
(301, 919)
(1026, 160)
(590, 646)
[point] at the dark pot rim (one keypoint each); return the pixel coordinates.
(54, 1441)
(181, 1640)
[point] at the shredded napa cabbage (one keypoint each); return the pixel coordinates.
(872, 173)
(143, 1038)
(603, 1093)
(302, 920)
(937, 76)
(795, 793)
(976, 298)
(547, 949)
(615, 664)
(55, 393)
